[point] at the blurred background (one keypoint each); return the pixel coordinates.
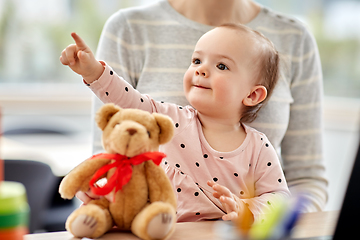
(46, 110)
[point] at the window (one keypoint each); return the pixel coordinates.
(335, 25)
(33, 33)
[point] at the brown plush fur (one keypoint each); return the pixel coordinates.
(146, 198)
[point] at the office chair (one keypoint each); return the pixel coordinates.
(41, 186)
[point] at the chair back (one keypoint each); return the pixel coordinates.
(39, 182)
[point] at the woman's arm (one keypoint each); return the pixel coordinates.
(302, 146)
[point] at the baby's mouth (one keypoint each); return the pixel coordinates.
(202, 87)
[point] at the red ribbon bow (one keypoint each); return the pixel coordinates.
(123, 170)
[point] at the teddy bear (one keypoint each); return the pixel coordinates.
(143, 199)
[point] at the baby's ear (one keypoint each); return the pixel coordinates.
(256, 96)
(166, 127)
(105, 113)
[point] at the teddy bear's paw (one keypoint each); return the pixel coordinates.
(160, 226)
(83, 226)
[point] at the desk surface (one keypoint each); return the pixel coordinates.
(310, 225)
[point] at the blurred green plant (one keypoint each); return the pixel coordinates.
(340, 58)
(38, 44)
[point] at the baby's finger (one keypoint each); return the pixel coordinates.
(63, 58)
(229, 202)
(83, 197)
(216, 195)
(92, 195)
(86, 197)
(231, 216)
(222, 190)
(210, 183)
(70, 53)
(79, 41)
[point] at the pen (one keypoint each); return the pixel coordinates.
(284, 227)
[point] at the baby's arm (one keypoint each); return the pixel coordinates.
(81, 60)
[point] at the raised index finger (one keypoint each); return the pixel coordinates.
(222, 190)
(80, 43)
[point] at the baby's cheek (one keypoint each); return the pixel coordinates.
(187, 81)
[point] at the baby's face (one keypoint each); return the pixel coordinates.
(220, 75)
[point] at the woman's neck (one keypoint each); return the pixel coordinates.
(217, 12)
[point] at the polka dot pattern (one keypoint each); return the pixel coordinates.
(206, 156)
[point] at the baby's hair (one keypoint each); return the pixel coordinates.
(266, 68)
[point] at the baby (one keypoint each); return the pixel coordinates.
(219, 167)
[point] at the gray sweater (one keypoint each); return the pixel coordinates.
(151, 47)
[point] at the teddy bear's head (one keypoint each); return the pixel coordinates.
(132, 131)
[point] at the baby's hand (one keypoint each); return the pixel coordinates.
(227, 199)
(81, 60)
(86, 197)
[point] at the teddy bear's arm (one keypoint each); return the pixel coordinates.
(78, 179)
(160, 188)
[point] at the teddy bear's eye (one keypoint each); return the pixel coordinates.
(148, 133)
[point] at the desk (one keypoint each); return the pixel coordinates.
(310, 225)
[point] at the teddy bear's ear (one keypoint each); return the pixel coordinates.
(105, 113)
(166, 127)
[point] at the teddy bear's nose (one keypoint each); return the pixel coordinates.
(131, 131)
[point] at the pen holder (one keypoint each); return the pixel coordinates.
(14, 211)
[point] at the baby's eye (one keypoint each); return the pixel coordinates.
(196, 61)
(148, 134)
(222, 66)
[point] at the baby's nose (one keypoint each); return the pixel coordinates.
(201, 71)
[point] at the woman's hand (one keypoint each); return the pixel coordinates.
(81, 60)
